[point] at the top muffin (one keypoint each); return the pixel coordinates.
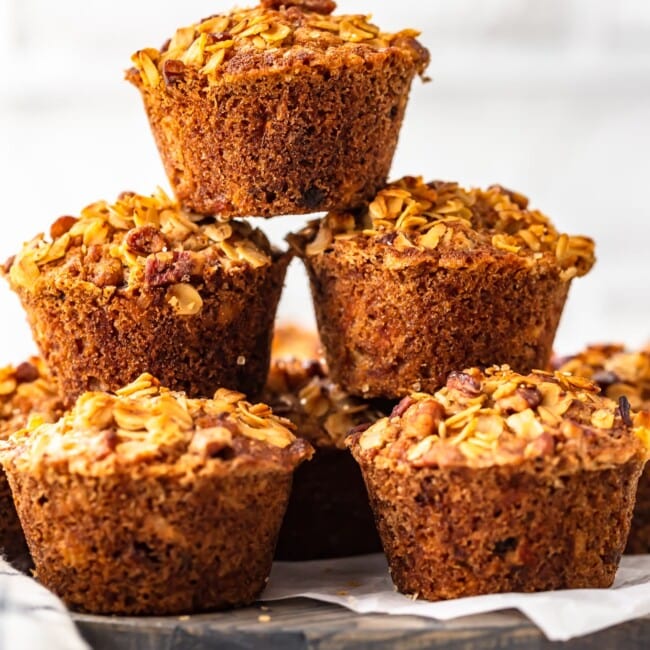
(272, 35)
(278, 109)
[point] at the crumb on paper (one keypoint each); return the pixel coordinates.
(264, 618)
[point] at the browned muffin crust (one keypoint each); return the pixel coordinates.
(26, 391)
(433, 277)
(503, 482)
(148, 502)
(278, 109)
(620, 372)
(328, 513)
(142, 286)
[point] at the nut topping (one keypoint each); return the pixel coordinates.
(137, 241)
(492, 417)
(410, 216)
(144, 422)
(300, 29)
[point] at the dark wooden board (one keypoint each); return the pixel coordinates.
(301, 624)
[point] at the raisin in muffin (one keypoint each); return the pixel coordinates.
(142, 286)
(149, 502)
(278, 109)
(503, 482)
(328, 513)
(432, 277)
(26, 391)
(620, 372)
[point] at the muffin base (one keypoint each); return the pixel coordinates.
(387, 332)
(155, 545)
(102, 339)
(639, 539)
(328, 514)
(13, 546)
(456, 532)
(289, 140)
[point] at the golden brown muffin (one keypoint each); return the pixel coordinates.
(503, 482)
(292, 341)
(328, 513)
(620, 372)
(148, 502)
(433, 277)
(142, 286)
(278, 109)
(26, 391)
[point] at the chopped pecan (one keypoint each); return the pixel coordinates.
(324, 7)
(464, 383)
(360, 428)
(61, 226)
(423, 417)
(524, 397)
(106, 272)
(173, 71)
(168, 268)
(145, 240)
(401, 407)
(26, 372)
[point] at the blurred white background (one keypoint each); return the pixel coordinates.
(550, 98)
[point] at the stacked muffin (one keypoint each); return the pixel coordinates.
(162, 489)
(449, 298)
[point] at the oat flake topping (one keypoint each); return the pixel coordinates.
(303, 28)
(617, 371)
(144, 421)
(142, 240)
(498, 417)
(410, 215)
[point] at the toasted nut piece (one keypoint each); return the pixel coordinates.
(185, 299)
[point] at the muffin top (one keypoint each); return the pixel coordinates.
(498, 417)
(412, 220)
(321, 411)
(617, 371)
(140, 241)
(146, 428)
(27, 391)
(280, 35)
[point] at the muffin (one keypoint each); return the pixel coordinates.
(149, 502)
(278, 109)
(26, 390)
(620, 372)
(292, 341)
(328, 513)
(503, 482)
(432, 277)
(142, 286)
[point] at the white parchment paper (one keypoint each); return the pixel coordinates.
(363, 585)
